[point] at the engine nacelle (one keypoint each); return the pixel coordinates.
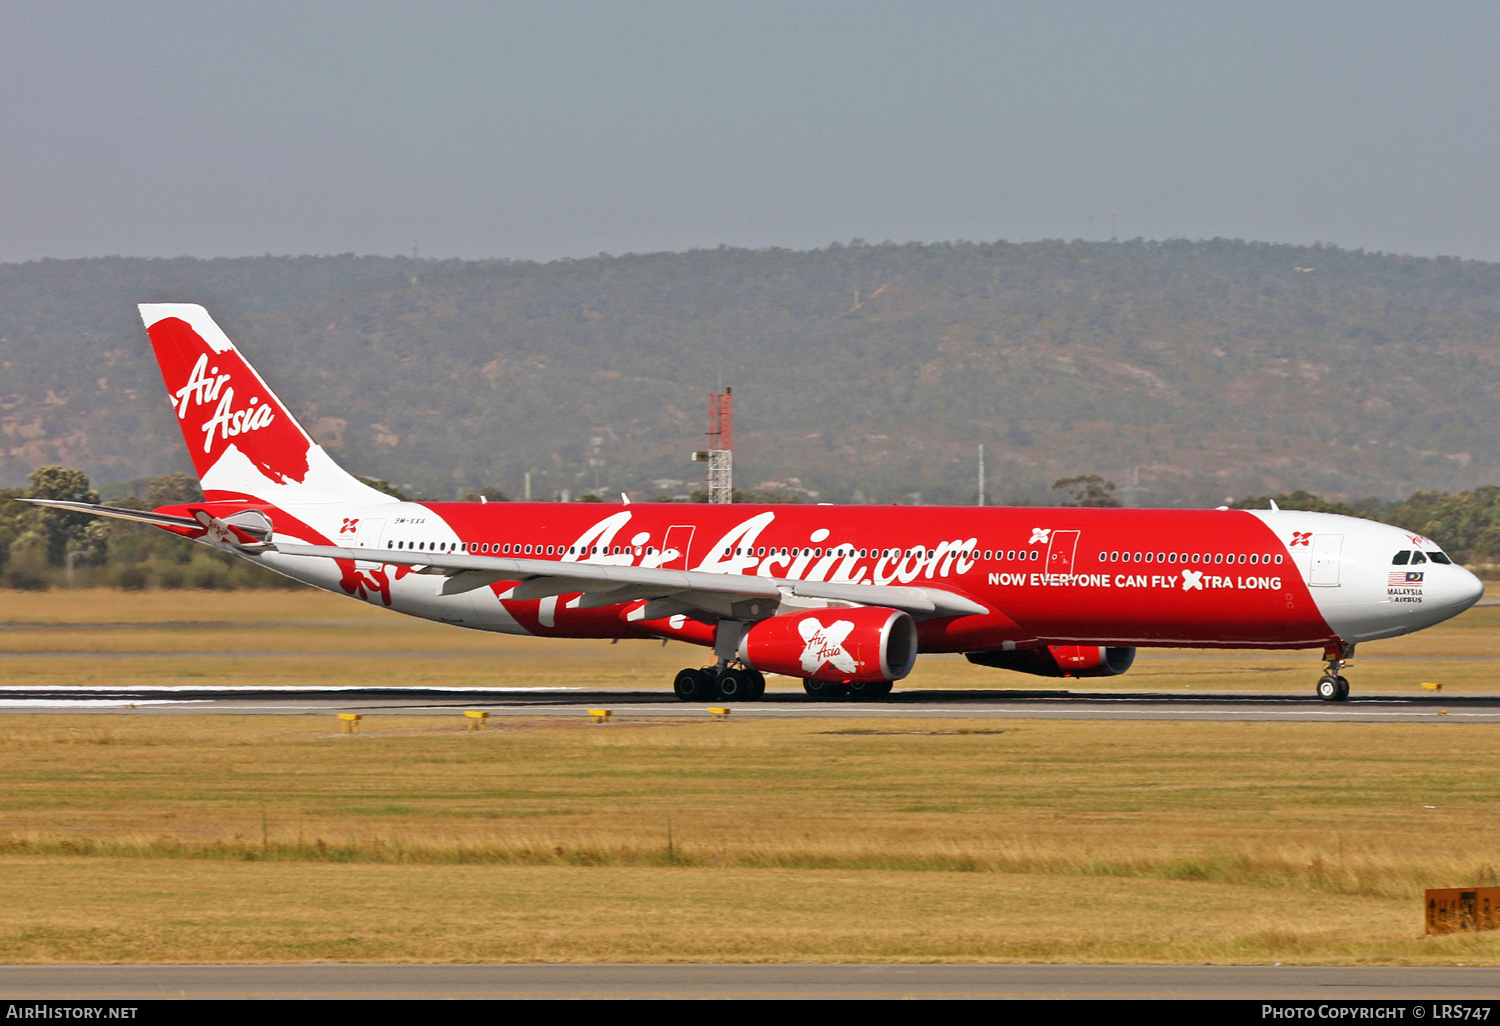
(1060, 660)
(847, 646)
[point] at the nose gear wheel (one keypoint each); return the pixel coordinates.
(1334, 686)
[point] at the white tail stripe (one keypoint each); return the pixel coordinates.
(196, 317)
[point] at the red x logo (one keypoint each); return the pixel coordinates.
(350, 525)
(1301, 537)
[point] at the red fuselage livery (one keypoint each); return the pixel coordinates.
(843, 597)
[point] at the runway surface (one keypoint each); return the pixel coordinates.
(777, 704)
(1317, 983)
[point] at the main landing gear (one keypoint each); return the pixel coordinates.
(1333, 686)
(742, 684)
(719, 683)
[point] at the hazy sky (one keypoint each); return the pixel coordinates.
(552, 129)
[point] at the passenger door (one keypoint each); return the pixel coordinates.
(676, 546)
(368, 536)
(1060, 552)
(1326, 551)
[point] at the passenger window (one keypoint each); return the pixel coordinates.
(1417, 557)
(1401, 558)
(1440, 557)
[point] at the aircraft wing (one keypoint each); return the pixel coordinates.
(668, 591)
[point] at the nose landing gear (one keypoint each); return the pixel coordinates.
(1333, 686)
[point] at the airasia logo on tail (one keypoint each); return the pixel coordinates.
(204, 386)
(222, 403)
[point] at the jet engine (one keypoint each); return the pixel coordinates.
(862, 644)
(1060, 660)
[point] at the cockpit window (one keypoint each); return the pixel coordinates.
(1439, 557)
(1401, 558)
(1417, 557)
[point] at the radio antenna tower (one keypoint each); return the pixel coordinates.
(720, 452)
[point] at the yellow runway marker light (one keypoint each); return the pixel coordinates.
(599, 715)
(476, 718)
(1428, 685)
(718, 712)
(349, 722)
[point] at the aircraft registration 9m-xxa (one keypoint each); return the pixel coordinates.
(842, 597)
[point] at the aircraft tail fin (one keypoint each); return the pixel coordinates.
(243, 440)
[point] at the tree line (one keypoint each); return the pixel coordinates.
(870, 372)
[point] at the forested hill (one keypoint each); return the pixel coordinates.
(1183, 371)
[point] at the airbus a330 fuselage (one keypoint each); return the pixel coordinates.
(844, 597)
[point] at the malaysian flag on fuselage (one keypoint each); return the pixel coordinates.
(1405, 577)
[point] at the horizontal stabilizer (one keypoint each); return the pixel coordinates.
(247, 529)
(140, 516)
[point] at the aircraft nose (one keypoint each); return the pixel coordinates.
(1461, 590)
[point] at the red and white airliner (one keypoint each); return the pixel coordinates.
(843, 597)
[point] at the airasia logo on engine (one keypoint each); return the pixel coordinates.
(825, 645)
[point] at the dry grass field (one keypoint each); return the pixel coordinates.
(226, 839)
(214, 839)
